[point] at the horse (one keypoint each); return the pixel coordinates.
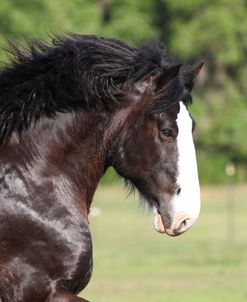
(69, 109)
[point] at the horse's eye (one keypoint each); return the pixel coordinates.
(166, 132)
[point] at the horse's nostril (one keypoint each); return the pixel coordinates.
(182, 225)
(178, 191)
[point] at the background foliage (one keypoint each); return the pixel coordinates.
(215, 31)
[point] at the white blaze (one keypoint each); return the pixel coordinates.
(188, 200)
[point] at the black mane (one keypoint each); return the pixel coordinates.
(70, 73)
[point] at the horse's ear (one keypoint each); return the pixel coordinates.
(146, 83)
(197, 69)
(157, 79)
(167, 76)
(189, 75)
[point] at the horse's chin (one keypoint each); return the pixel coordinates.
(158, 223)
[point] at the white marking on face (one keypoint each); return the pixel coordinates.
(187, 202)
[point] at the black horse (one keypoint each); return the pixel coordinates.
(68, 111)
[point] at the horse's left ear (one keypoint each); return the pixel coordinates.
(197, 69)
(189, 74)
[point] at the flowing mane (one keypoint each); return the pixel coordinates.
(70, 73)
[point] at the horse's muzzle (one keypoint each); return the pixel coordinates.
(181, 222)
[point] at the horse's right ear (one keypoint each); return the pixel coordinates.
(157, 80)
(167, 76)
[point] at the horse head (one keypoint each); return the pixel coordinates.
(155, 149)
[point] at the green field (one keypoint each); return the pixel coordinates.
(134, 263)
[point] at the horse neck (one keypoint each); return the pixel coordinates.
(71, 147)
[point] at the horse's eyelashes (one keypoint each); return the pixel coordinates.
(166, 132)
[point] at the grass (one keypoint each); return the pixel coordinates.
(134, 263)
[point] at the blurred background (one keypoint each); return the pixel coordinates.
(131, 260)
